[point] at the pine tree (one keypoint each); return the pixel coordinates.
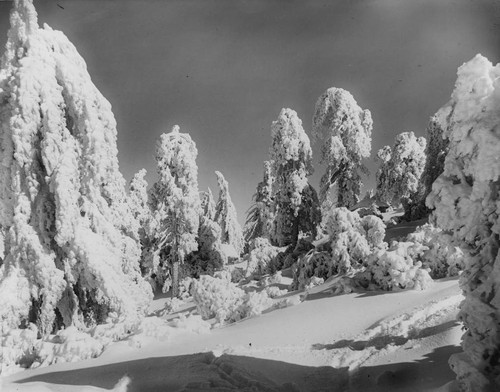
(345, 130)
(401, 168)
(71, 254)
(175, 206)
(466, 201)
(226, 218)
(291, 158)
(259, 217)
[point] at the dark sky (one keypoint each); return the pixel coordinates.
(223, 69)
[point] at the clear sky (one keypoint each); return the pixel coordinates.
(223, 69)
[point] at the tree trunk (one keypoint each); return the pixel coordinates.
(175, 279)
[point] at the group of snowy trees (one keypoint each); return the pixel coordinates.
(79, 250)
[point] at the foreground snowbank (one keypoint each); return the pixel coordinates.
(371, 341)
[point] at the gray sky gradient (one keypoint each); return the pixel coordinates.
(223, 69)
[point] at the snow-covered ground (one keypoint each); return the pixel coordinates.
(368, 341)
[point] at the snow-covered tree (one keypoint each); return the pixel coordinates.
(345, 130)
(260, 217)
(71, 257)
(466, 202)
(226, 218)
(210, 256)
(291, 158)
(435, 152)
(175, 205)
(398, 178)
(138, 197)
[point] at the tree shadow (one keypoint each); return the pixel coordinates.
(381, 341)
(426, 374)
(205, 372)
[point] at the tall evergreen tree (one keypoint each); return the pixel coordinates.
(225, 216)
(71, 254)
(291, 158)
(466, 201)
(176, 206)
(259, 217)
(345, 131)
(401, 168)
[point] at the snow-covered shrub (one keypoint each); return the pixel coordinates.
(22, 348)
(345, 130)
(439, 253)
(224, 301)
(217, 298)
(260, 256)
(397, 268)
(465, 198)
(68, 345)
(313, 282)
(352, 239)
(311, 265)
(277, 277)
(275, 291)
(72, 251)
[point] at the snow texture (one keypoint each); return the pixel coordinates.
(71, 254)
(345, 131)
(466, 202)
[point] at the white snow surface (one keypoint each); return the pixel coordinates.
(373, 341)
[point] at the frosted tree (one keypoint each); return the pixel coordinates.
(435, 151)
(260, 217)
(72, 259)
(138, 197)
(210, 256)
(345, 131)
(176, 207)
(291, 158)
(466, 201)
(401, 168)
(226, 218)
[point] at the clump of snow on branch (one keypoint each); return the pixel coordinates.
(226, 218)
(72, 254)
(398, 178)
(176, 205)
(291, 164)
(345, 131)
(465, 198)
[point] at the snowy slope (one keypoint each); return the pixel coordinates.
(374, 341)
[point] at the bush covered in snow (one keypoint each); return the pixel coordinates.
(439, 254)
(260, 256)
(224, 301)
(396, 268)
(352, 239)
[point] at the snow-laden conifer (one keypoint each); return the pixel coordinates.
(401, 167)
(291, 160)
(345, 131)
(175, 205)
(260, 216)
(71, 256)
(226, 218)
(466, 201)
